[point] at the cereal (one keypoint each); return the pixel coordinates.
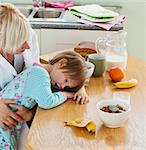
(113, 109)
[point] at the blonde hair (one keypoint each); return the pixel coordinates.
(75, 67)
(14, 28)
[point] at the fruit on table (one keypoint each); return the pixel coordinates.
(91, 126)
(116, 73)
(126, 84)
(81, 122)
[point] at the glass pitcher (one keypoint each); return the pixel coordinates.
(113, 46)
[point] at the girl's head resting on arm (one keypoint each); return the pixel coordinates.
(14, 29)
(68, 71)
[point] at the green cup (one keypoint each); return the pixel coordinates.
(99, 61)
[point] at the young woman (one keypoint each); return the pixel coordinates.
(18, 50)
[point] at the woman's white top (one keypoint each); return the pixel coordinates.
(26, 59)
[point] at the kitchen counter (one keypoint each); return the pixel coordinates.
(51, 23)
(68, 25)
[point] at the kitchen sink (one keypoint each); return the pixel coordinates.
(47, 13)
(41, 12)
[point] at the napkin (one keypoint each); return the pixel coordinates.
(93, 11)
(105, 25)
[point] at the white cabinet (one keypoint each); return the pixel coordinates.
(60, 39)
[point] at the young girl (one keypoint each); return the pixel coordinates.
(33, 85)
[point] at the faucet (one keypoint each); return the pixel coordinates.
(38, 3)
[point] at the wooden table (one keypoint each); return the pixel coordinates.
(49, 133)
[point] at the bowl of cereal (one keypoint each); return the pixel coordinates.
(113, 113)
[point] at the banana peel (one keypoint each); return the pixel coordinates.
(126, 84)
(82, 123)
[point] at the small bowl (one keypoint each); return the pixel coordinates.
(113, 120)
(90, 69)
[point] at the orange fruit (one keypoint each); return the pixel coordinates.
(116, 73)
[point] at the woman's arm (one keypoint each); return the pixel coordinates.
(32, 55)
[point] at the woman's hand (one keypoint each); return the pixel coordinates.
(81, 96)
(8, 119)
(25, 113)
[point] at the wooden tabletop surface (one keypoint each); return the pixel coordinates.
(49, 133)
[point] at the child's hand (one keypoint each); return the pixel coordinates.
(69, 94)
(81, 96)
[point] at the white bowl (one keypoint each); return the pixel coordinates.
(113, 120)
(90, 69)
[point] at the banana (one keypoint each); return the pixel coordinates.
(81, 122)
(91, 126)
(126, 84)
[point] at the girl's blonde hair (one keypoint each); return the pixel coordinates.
(74, 67)
(14, 28)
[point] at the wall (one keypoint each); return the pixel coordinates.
(17, 1)
(135, 25)
(145, 30)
